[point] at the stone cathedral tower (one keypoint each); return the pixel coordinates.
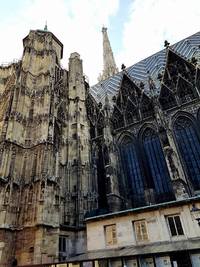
(44, 151)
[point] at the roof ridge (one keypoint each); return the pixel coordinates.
(154, 63)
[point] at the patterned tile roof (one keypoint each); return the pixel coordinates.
(149, 66)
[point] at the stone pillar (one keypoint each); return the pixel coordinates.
(79, 181)
(115, 201)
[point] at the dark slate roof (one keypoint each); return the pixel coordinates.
(150, 66)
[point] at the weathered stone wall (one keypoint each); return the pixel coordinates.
(29, 193)
(44, 168)
(81, 195)
(37, 245)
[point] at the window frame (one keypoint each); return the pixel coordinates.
(142, 234)
(63, 243)
(175, 225)
(106, 233)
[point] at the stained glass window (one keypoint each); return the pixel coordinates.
(157, 165)
(134, 180)
(189, 145)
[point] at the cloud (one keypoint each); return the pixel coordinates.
(76, 23)
(150, 22)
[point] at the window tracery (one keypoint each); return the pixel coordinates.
(131, 113)
(185, 91)
(167, 98)
(179, 78)
(146, 107)
(117, 119)
(126, 109)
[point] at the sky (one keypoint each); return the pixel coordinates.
(136, 28)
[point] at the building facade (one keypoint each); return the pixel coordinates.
(69, 151)
(162, 235)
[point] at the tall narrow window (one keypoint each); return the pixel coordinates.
(63, 248)
(157, 165)
(133, 183)
(189, 145)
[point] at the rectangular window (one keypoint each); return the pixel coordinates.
(141, 230)
(110, 234)
(63, 244)
(175, 226)
(63, 248)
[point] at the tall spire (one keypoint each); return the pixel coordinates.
(109, 66)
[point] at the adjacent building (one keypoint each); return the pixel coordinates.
(160, 235)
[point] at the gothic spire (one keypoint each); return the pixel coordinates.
(109, 66)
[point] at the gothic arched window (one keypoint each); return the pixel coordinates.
(167, 98)
(133, 183)
(157, 166)
(117, 118)
(189, 146)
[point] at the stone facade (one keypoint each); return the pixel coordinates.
(45, 162)
(70, 151)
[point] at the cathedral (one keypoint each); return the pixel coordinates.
(78, 160)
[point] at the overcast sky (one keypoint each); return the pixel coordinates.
(136, 28)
